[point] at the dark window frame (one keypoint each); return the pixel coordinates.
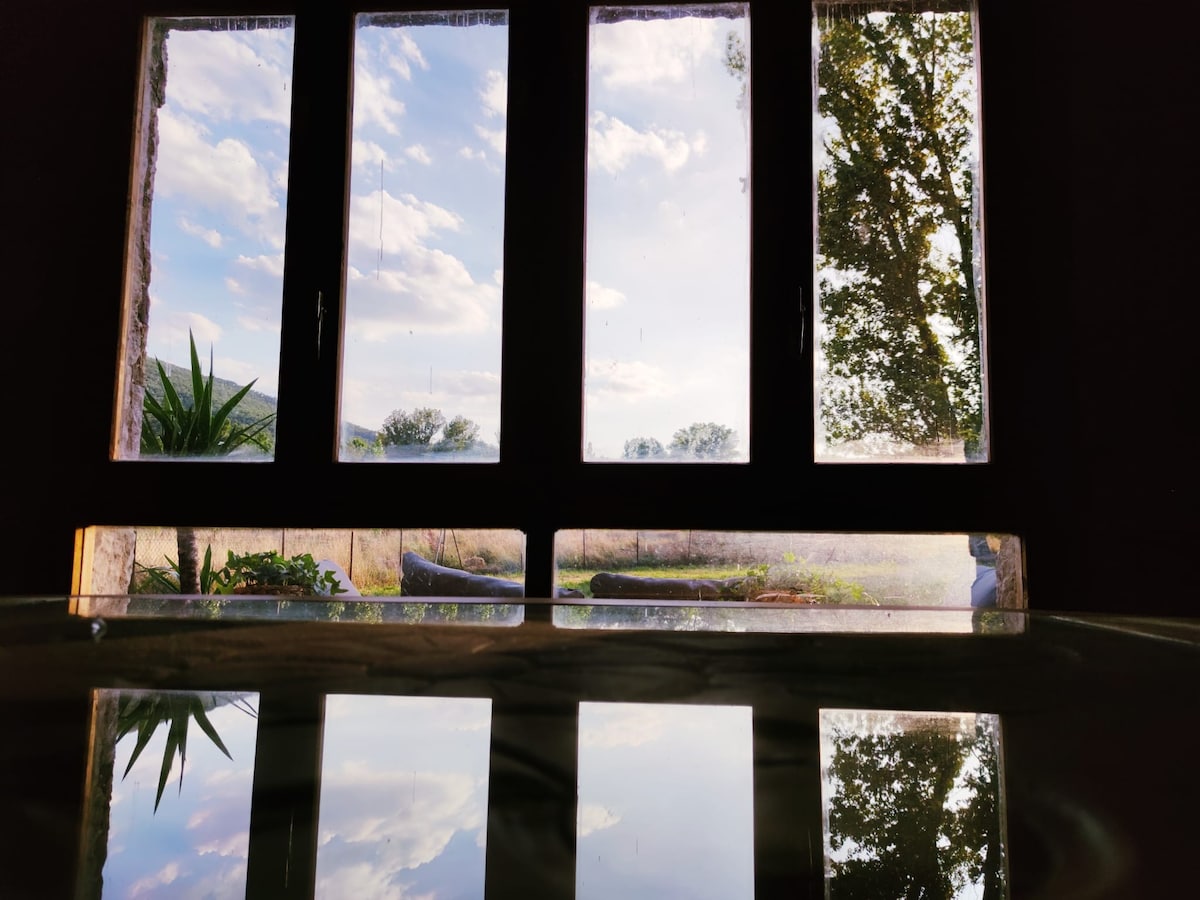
(540, 484)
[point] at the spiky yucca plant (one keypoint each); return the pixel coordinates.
(172, 428)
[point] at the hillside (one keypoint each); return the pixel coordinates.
(253, 407)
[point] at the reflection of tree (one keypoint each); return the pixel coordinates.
(915, 812)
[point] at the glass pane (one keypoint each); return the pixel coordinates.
(169, 827)
(668, 256)
(206, 239)
(913, 804)
(430, 575)
(666, 805)
(900, 265)
(810, 581)
(421, 349)
(404, 787)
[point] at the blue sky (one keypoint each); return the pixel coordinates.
(668, 255)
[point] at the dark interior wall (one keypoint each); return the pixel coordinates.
(1088, 177)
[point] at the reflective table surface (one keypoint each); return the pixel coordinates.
(461, 750)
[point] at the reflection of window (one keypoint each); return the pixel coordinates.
(172, 771)
(913, 804)
(665, 796)
(404, 786)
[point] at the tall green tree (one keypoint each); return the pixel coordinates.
(914, 813)
(896, 228)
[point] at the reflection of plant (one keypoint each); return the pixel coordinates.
(146, 711)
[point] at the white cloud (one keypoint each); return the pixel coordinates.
(613, 145)
(272, 265)
(593, 818)
(401, 53)
(223, 177)
(231, 75)
(370, 155)
(495, 138)
(494, 94)
(601, 297)
(210, 236)
(234, 286)
(406, 222)
(471, 153)
(418, 153)
(611, 379)
(373, 100)
(644, 54)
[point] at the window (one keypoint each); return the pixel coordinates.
(559, 134)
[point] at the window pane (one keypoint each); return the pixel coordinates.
(900, 267)
(430, 575)
(913, 804)
(729, 580)
(668, 271)
(404, 787)
(206, 237)
(421, 351)
(169, 825)
(665, 802)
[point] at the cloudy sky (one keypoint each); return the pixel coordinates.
(667, 230)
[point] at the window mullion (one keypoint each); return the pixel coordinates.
(314, 264)
(782, 240)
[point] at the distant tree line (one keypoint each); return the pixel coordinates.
(700, 440)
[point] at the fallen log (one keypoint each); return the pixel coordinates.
(421, 578)
(609, 586)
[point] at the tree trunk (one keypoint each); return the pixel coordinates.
(189, 560)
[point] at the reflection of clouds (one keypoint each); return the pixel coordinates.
(166, 875)
(613, 145)
(644, 54)
(620, 725)
(595, 817)
(389, 821)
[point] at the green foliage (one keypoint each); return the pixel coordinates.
(427, 429)
(897, 228)
(359, 448)
(145, 712)
(165, 579)
(704, 440)
(174, 427)
(458, 434)
(267, 572)
(263, 572)
(643, 448)
(418, 427)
